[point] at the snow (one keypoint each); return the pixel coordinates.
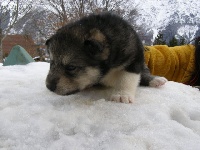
(33, 118)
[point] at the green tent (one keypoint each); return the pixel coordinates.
(18, 56)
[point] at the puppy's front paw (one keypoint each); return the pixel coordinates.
(122, 98)
(157, 81)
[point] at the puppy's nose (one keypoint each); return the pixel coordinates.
(51, 85)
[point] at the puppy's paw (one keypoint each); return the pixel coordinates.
(122, 98)
(157, 81)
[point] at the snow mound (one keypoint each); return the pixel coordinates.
(33, 118)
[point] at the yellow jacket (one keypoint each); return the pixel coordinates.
(174, 63)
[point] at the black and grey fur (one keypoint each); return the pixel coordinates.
(98, 49)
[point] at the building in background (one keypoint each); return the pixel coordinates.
(23, 40)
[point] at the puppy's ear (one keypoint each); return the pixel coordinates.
(95, 43)
(47, 45)
(47, 42)
(93, 47)
(97, 35)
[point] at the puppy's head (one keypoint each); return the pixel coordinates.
(75, 57)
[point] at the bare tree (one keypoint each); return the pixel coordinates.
(60, 12)
(11, 12)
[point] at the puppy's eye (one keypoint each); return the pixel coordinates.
(70, 68)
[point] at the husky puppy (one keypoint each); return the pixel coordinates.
(98, 49)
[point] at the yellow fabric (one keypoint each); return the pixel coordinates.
(174, 63)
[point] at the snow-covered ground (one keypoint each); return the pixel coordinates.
(33, 118)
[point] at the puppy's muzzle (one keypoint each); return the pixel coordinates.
(52, 85)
